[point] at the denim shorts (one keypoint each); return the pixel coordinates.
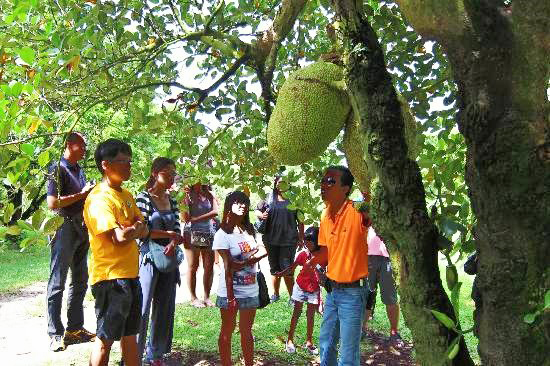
(243, 303)
(303, 296)
(117, 307)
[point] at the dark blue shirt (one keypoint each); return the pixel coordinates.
(71, 181)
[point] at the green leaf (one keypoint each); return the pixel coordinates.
(444, 319)
(37, 219)
(452, 351)
(455, 299)
(13, 230)
(27, 54)
(8, 211)
(530, 318)
(52, 224)
(44, 158)
(24, 225)
(547, 300)
(27, 149)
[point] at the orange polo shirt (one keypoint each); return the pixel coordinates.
(345, 237)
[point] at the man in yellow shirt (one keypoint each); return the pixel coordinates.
(114, 222)
(342, 237)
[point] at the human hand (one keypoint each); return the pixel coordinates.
(263, 215)
(321, 307)
(88, 187)
(232, 303)
(169, 250)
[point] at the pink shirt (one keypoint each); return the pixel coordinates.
(376, 245)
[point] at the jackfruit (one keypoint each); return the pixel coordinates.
(311, 109)
(354, 143)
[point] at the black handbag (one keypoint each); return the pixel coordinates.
(260, 226)
(263, 295)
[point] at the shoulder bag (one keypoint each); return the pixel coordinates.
(263, 295)
(161, 261)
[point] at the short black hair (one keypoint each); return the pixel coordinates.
(346, 179)
(74, 136)
(312, 234)
(108, 149)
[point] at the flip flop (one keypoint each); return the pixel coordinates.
(198, 304)
(208, 303)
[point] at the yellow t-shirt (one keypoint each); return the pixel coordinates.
(105, 209)
(345, 238)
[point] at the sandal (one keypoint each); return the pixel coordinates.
(312, 349)
(197, 303)
(208, 303)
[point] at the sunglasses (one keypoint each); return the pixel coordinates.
(329, 181)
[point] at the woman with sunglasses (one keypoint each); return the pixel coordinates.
(202, 207)
(159, 288)
(237, 289)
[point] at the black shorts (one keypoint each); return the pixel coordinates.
(117, 308)
(280, 258)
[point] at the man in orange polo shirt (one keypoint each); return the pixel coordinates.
(342, 237)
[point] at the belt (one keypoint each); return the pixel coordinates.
(359, 283)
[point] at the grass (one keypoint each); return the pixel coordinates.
(20, 269)
(198, 329)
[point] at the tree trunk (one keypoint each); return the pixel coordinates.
(499, 55)
(398, 208)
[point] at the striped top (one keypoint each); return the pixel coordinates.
(167, 220)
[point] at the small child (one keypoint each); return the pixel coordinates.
(306, 289)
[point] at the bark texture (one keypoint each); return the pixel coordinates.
(499, 55)
(398, 204)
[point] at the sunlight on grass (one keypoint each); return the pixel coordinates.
(20, 269)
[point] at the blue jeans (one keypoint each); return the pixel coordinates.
(342, 320)
(159, 293)
(69, 250)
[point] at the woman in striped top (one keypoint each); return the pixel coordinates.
(158, 288)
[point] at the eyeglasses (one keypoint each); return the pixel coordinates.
(329, 181)
(168, 173)
(122, 161)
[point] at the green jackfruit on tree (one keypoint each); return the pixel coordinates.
(355, 142)
(311, 109)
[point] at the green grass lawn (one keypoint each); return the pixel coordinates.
(20, 269)
(198, 329)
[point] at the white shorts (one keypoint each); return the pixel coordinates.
(302, 296)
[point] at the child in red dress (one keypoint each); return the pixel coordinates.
(306, 289)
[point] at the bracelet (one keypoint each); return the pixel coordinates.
(232, 300)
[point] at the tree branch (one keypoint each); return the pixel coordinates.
(268, 44)
(17, 142)
(203, 93)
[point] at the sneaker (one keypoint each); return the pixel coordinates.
(312, 349)
(57, 344)
(396, 340)
(78, 336)
(290, 302)
(274, 298)
(290, 347)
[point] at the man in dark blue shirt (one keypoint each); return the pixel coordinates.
(67, 191)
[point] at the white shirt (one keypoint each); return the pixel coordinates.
(240, 246)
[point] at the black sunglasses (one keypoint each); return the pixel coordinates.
(329, 181)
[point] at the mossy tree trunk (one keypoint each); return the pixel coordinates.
(499, 56)
(398, 197)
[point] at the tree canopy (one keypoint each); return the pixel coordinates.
(197, 81)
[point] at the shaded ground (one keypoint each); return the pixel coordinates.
(23, 338)
(378, 352)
